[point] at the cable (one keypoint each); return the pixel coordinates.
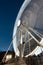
(8, 49)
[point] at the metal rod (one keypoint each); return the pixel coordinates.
(35, 32)
(21, 50)
(6, 52)
(41, 35)
(8, 49)
(32, 35)
(25, 44)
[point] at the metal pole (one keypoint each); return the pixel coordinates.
(32, 35)
(21, 41)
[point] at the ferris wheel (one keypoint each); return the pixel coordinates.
(28, 29)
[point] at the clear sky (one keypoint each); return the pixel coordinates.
(8, 13)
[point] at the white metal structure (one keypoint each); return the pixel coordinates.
(24, 18)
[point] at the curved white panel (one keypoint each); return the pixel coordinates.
(15, 45)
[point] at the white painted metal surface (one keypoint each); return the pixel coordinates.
(33, 15)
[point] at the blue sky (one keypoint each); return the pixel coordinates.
(8, 13)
